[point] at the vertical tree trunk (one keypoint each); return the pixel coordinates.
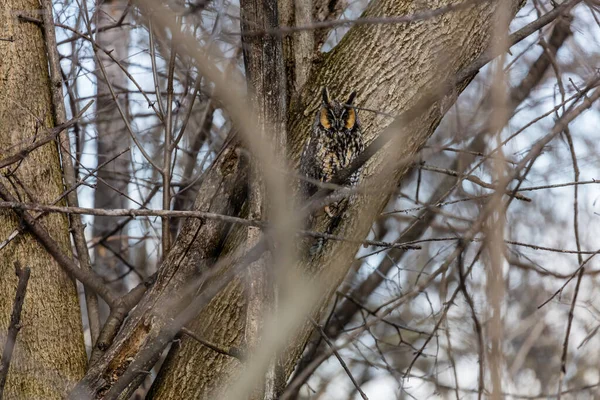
(112, 139)
(49, 356)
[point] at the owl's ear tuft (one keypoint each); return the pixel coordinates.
(326, 100)
(351, 98)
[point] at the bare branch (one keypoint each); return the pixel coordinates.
(15, 323)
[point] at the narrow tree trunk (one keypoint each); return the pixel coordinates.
(112, 138)
(49, 356)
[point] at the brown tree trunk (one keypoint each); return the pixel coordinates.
(346, 309)
(49, 356)
(389, 65)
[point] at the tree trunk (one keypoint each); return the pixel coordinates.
(265, 74)
(49, 356)
(389, 65)
(113, 138)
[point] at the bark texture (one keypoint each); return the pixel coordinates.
(389, 65)
(302, 49)
(49, 356)
(346, 309)
(266, 81)
(112, 138)
(265, 74)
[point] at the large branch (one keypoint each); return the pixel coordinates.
(223, 191)
(266, 80)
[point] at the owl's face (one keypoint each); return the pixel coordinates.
(334, 116)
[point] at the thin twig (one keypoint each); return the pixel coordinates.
(478, 328)
(15, 326)
(234, 352)
(95, 241)
(155, 69)
(340, 359)
(70, 178)
(134, 213)
(471, 178)
(99, 63)
(50, 136)
(89, 278)
(168, 153)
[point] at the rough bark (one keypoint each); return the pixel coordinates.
(389, 65)
(266, 81)
(112, 138)
(49, 356)
(302, 49)
(69, 171)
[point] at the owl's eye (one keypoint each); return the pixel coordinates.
(350, 119)
(325, 118)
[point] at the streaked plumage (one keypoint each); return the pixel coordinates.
(335, 141)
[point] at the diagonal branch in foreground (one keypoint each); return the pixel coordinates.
(51, 135)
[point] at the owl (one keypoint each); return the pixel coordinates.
(335, 141)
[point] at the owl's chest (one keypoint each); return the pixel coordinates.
(337, 152)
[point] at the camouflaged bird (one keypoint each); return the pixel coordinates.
(335, 141)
